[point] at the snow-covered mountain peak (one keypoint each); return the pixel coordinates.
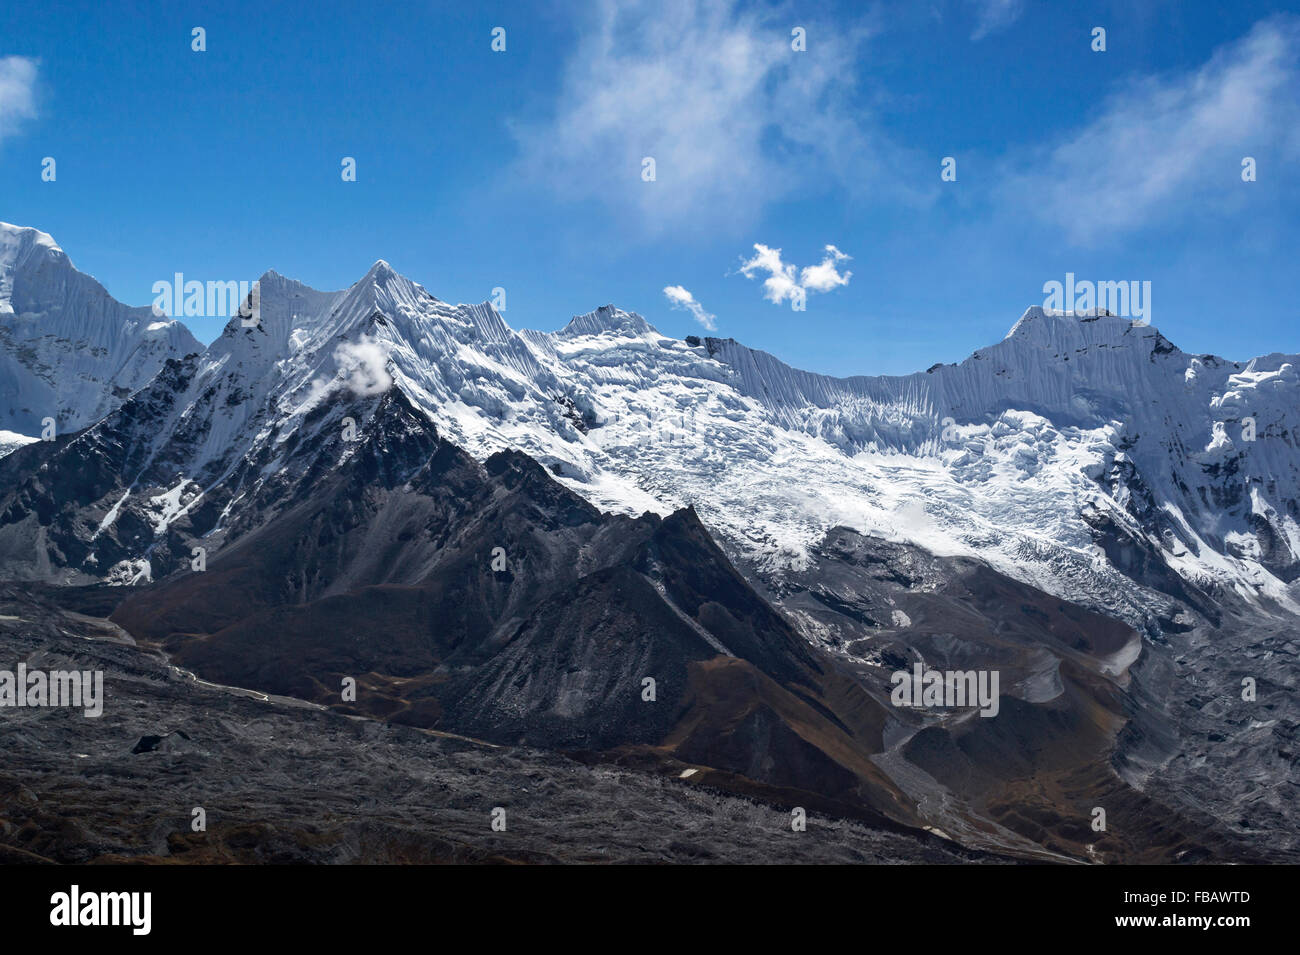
(14, 237)
(69, 351)
(24, 250)
(381, 290)
(379, 272)
(607, 319)
(1051, 327)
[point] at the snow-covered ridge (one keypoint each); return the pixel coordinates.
(18, 246)
(607, 320)
(69, 351)
(1059, 455)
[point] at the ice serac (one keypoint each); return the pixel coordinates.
(68, 350)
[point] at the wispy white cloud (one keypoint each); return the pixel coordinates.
(784, 278)
(681, 298)
(993, 16)
(734, 118)
(17, 93)
(360, 367)
(1170, 144)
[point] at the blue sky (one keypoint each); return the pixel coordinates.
(522, 169)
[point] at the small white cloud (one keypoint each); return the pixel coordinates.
(992, 16)
(17, 93)
(824, 277)
(683, 299)
(360, 367)
(781, 282)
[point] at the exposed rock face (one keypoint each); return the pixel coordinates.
(284, 782)
(1091, 712)
(490, 601)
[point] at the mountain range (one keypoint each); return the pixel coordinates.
(504, 534)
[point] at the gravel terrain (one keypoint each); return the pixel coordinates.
(283, 781)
